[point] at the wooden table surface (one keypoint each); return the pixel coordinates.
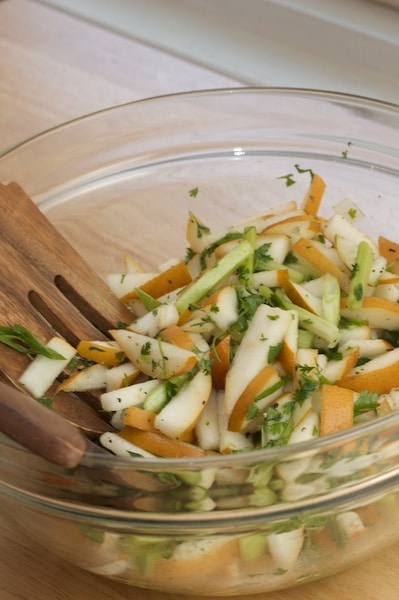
(54, 67)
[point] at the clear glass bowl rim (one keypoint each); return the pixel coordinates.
(307, 93)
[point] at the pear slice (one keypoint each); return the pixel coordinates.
(181, 414)
(336, 369)
(105, 352)
(298, 294)
(174, 277)
(266, 386)
(346, 239)
(155, 358)
(278, 246)
(265, 333)
(196, 561)
(285, 547)
(42, 371)
(389, 291)
(271, 279)
(357, 332)
(217, 312)
(132, 265)
(122, 447)
(379, 375)
(336, 409)
(390, 251)
(314, 195)
(350, 523)
(261, 221)
(319, 261)
(130, 395)
(120, 376)
(122, 284)
(199, 235)
(207, 430)
(387, 278)
(378, 312)
(174, 334)
(271, 223)
(306, 429)
(90, 378)
(159, 444)
(289, 349)
(220, 357)
(367, 348)
(303, 226)
(135, 416)
(154, 321)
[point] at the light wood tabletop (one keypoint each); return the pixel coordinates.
(54, 67)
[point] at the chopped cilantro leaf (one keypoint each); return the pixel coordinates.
(365, 402)
(289, 179)
(308, 382)
(298, 168)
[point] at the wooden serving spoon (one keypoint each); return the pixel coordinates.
(47, 287)
(41, 430)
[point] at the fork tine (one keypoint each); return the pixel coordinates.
(28, 298)
(38, 266)
(36, 247)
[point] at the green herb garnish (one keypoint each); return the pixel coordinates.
(22, 340)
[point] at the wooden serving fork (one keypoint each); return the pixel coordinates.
(47, 287)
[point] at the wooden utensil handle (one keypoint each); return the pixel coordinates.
(40, 430)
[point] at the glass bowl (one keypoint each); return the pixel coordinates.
(118, 182)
